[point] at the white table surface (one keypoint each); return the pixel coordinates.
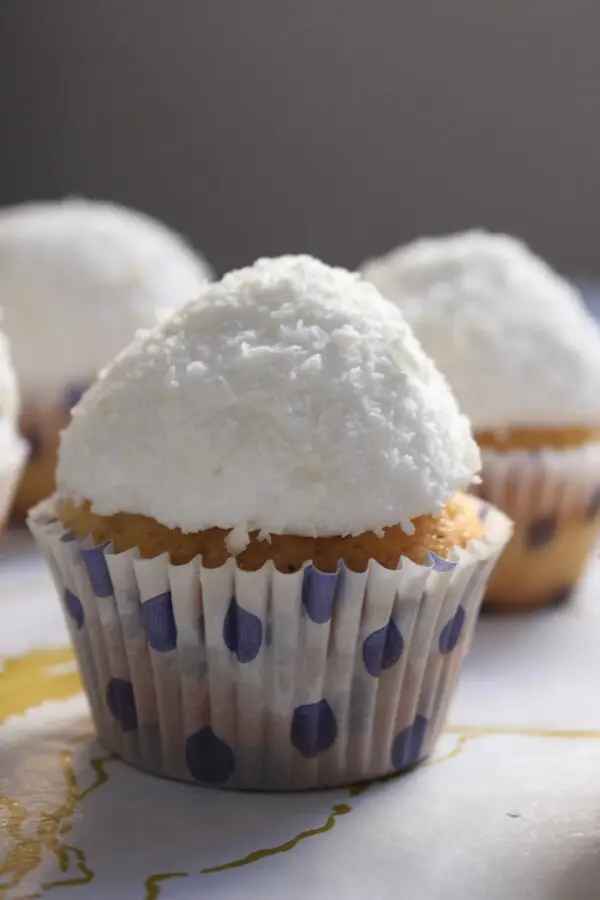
(508, 809)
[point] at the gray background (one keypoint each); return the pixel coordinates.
(339, 127)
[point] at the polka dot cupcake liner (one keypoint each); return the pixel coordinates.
(10, 472)
(546, 481)
(268, 680)
(41, 421)
(43, 418)
(553, 497)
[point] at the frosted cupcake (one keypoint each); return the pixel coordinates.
(77, 279)
(522, 355)
(12, 447)
(270, 574)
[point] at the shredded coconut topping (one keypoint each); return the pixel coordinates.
(78, 278)
(288, 398)
(513, 338)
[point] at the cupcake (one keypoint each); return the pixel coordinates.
(12, 447)
(77, 279)
(522, 354)
(267, 565)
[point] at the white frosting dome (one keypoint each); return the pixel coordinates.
(513, 338)
(10, 443)
(9, 398)
(78, 278)
(289, 398)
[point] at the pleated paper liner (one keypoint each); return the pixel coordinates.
(553, 496)
(265, 680)
(42, 419)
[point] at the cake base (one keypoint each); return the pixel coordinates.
(548, 482)
(457, 525)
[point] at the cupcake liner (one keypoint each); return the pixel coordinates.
(559, 481)
(265, 680)
(43, 417)
(10, 472)
(554, 498)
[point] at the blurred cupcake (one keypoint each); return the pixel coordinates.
(268, 573)
(522, 355)
(12, 446)
(77, 279)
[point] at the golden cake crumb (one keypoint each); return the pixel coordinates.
(506, 439)
(457, 525)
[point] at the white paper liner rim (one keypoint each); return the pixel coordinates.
(571, 478)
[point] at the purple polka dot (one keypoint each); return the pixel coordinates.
(74, 607)
(318, 594)
(407, 748)
(541, 531)
(95, 563)
(157, 613)
(209, 759)
(452, 631)
(439, 563)
(483, 511)
(121, 702)
(382, 649)
(73, 394)
(242, 632)
(314, 728)
(593, 507)
(35, 444)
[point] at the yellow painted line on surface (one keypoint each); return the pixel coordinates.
(29, 680)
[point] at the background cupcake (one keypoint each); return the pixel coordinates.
(12, 447)
(77, 279)
(522, 354)
(267, 569)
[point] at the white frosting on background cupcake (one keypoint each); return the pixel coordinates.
(514, 339)
(289, 398)
(78, 278)
(11, 445)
